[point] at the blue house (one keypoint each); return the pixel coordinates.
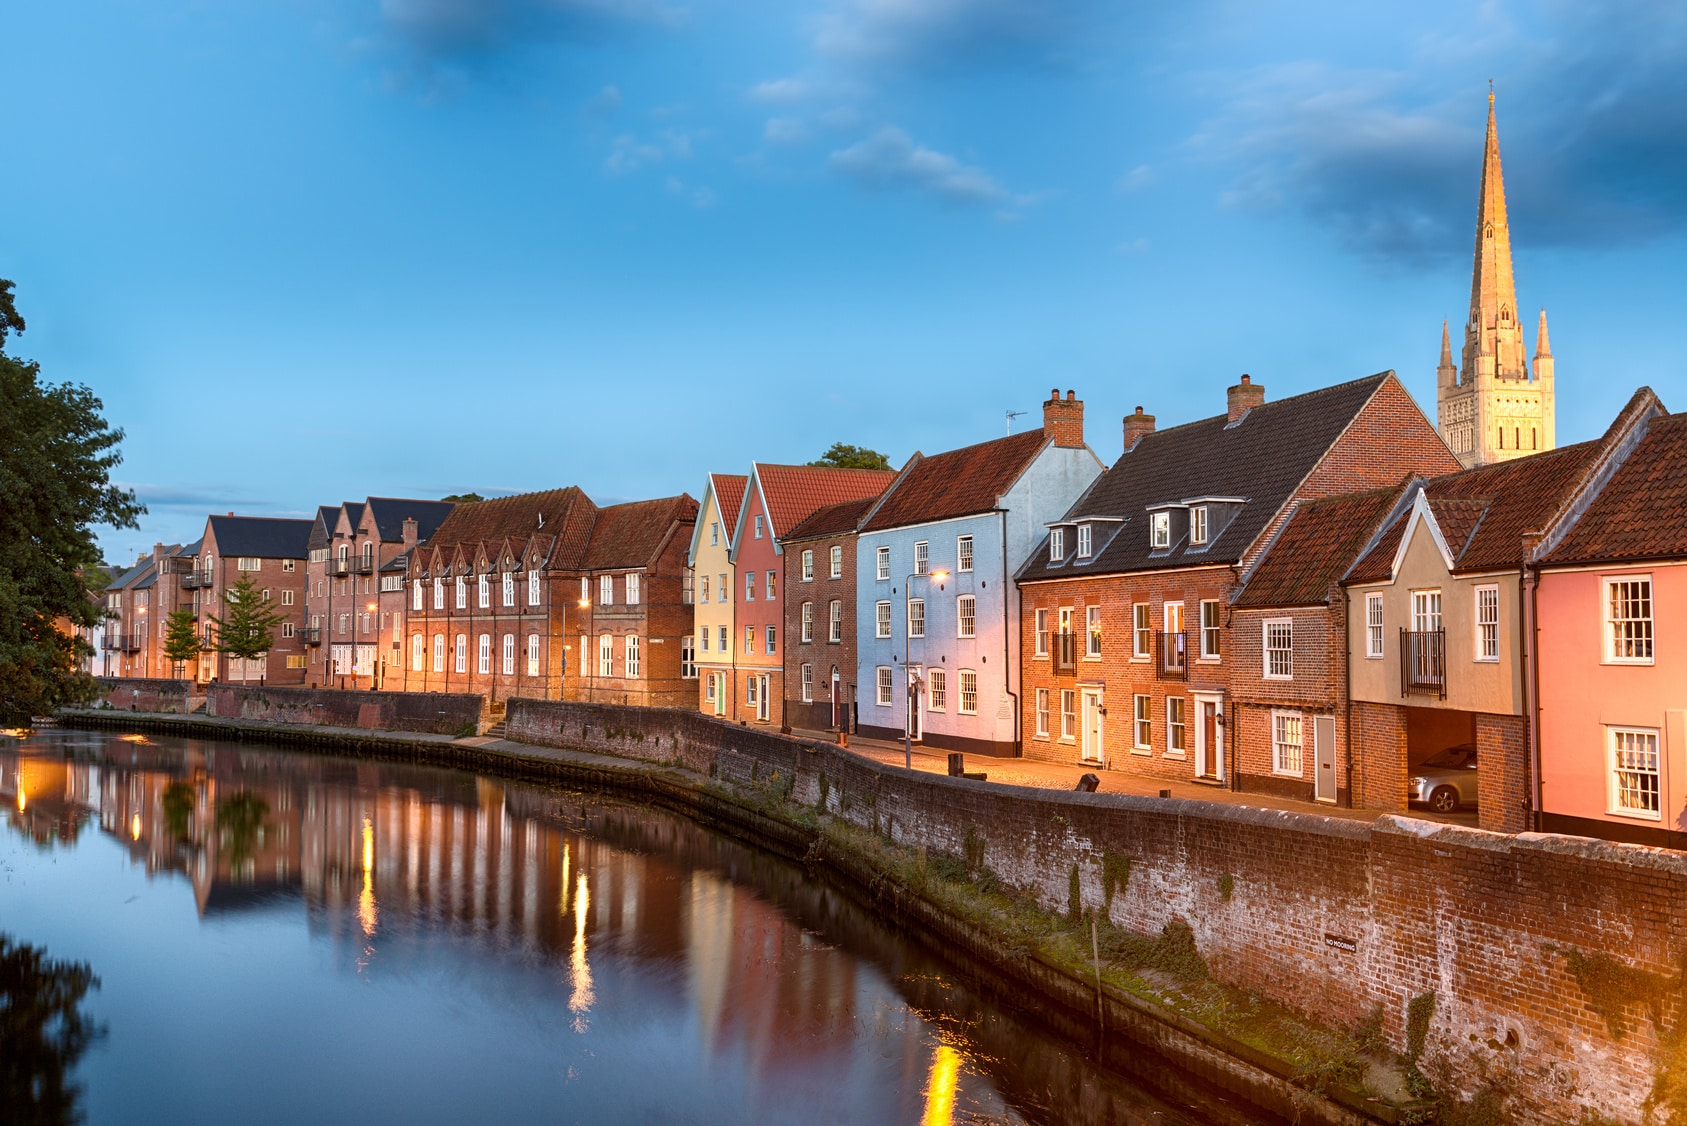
(937, 611)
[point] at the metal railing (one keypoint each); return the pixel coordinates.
(1171, 656)
(339, 566)
(310, 635)
(362, 566)
(1065, 652)
(1423, 663)
(196, 580)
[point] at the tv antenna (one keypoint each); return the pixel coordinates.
(1013, 415)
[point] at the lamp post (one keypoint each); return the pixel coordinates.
(907, 669)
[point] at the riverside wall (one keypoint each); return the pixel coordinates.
(135, 694)
(438, 713)
(1553, 964)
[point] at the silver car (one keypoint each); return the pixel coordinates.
(1447, 780)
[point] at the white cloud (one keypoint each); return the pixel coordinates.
(890, 158)
(605, 103)
(628, 153)
(785, 131)
(780, 91)
(699, 196)
(1135, 180)
(941, 31)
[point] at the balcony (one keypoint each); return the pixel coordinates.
(310, 635)
(339, 567)
(111, 642)
(196, 580)
(1065, 652)
(1171, 656)
(122, 642)
(363, 566)
(1423, 663)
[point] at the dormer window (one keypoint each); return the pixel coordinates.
(1083, 541)
(1198, 524)
(1160, 529)
(1057, 545)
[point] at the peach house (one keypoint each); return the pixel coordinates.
(1610, 602)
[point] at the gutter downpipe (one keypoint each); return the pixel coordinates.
(1531, 673)
(1007, 660)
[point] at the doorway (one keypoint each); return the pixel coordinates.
(1094, 749)
(1324, 783)
(762, 703)
(915, 679)
(1209, 736)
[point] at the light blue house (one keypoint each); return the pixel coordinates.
(937, 611)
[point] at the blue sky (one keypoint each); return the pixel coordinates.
(311, 250)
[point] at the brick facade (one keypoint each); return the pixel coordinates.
(820, 654)
(281, 578)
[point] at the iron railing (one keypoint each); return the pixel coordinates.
(196, 580)
(1423, 663)
(310, 635)
(1171, 657)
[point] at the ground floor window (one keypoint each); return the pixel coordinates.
(1286, 743)
(688, 657)
(884, 695)
(808, 684)
(1068, 714)
(417, 649)
(1043, 713)
(483, 654)
(750, 690)
(1635, 778)
(969, 692)
(1144, 723)
(532, 654)
(709, 688)
(461, 659)
(1177, 725)
(937, 690)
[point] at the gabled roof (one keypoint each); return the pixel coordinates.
(262, 537)
(354, 513)
(1641, 513)
(189, 551)
(956, 483)
(1317, 547)
(399, 563)
(127, 579)
(1260, 460)
(729, 497)
(565, 513)
(631, 534)
(792, 493)
(390, 513)
(833, 520)
(322, 528)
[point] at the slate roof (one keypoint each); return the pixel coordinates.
(391, 512)
(567, 514)
(956, 483)
(1263, 459)
(262, 537)
(354, 512)
(629, 535)
(1641, 513)
(322, 528)
(1317, 546)
(729, 497)
(126, 579)
(792, 493)
(833, 520)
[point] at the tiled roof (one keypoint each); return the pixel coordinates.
(262, 537)
(834, 519)
(955, 483)
(354, 513)
(629, 535)
(729, 498)
(391, 512)
(792, 493)
(566, 513)
(1262, 459)
(189, 551)
(1317, 547)
(1641, 513)
(322, 528)
(1483, 512)
(128, 578)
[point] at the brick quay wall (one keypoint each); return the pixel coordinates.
(439, 713)
(1553, 964)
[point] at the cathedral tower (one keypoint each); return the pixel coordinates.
(1490, 408)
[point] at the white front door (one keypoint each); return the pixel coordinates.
(1093, 748)
(1324, 784)
(1209, 736)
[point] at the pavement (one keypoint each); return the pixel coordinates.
(1064, 776)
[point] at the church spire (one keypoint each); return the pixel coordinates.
(1543, 347)
(1446, 374)
(1493, 343)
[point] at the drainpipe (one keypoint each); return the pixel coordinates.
(1007, 662)
(1528, 644)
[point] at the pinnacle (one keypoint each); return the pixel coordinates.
(1543, 347)
(1447, 344)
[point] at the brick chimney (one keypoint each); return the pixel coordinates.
(1245, 396)
(1063, 419)
(1136, 425)
(409, 531)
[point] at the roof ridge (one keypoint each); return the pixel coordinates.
(1268, 405)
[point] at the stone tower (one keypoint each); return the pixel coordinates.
(1490, 407)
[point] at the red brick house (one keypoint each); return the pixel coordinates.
(1126, 605)
(546, 595)
(272, 553)
(820, 691)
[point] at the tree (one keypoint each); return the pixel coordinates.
(842, 455)
(463, 498)
(247, 631)
(181, 639)
(56, 458)
(45, 1029)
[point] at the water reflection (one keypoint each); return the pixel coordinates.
(43, 1032)
(690, 978)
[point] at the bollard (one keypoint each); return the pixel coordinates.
(1088, 784)
(957, 764)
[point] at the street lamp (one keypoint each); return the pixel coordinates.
(907, 669)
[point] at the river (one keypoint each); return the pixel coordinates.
(283, 937)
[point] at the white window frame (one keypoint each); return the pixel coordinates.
(508, 586)
(1177, 727)
(714, 533)
(937, 690)
(1288, 756)
(1426, 610)
(631, 662)
(1643, 635)
(416, 594)
(1160, 530)
(1042, 713)
(881, 618)
(1142, 722)
(770, 644)
(806, 618)
(1373, 626)
(509, 654)
(772, 583)
(439, 652)
(1040, 633)
(749, 641)
(806, 677)
(1086, 538)
(483, 593)
(1285, 627)
(483, 655)
(606, 654)
(836, 561)
(1213, 632)
(834, 622)
(1142, 631)
(916, 617)
(966, 616)
(759, 525)
(1057, 544)
(1068, 715)
(438, 594)
(885, 691)
(807, 558)
(634, 593)
(532, 654)
(418, 652)
(532, 586)
(606, 590)
(1198, 525)
(749, 586)
(1486, 636)
(963, 554)
(462, 593)
(1092, 633)
(922, 557)
(967, 684)
(1615, 754)
(460, 657)
(688, 657)
(881, 559)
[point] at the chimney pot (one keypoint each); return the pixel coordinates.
(1070, 395)
(1136, 425)
(1063, 419)
(1244, 397)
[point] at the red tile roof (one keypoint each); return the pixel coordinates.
(792, 493)
(1317, 547)
(834, 519)
(729, 498)
(567, 514)
(958, 482)
(630, 535)
(1641, 513)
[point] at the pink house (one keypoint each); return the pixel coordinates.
(1610, 604)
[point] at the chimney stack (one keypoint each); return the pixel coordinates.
(1063, 419)
(1136, 425)
(409, 531)
(1245, 396)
